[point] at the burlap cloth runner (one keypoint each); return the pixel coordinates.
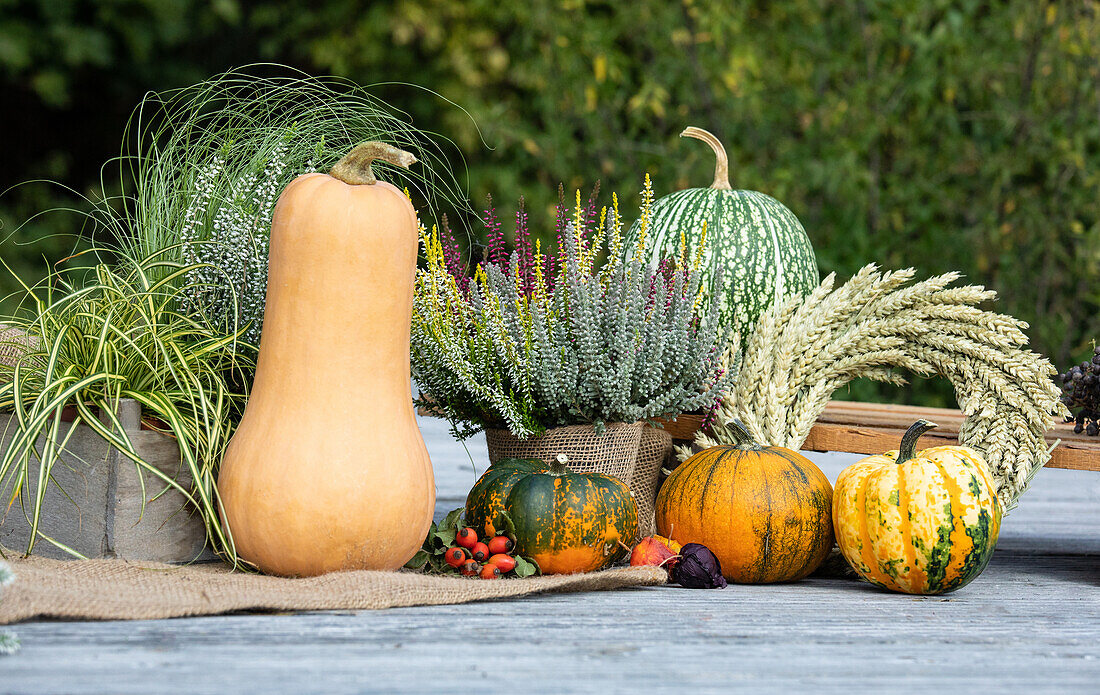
(631, 452)
(124, 590)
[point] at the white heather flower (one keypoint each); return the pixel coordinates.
(230, 239)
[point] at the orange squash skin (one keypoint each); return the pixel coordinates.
(328, 470)
(765, 514)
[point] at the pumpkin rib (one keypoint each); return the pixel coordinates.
(941, 578)
(958, 536)
(742, 479)
(764, 556)
(867, 550)
(821, 533)
(915, 575)
(884, 533)
(791, 562)
(704, 492)
(804, 507)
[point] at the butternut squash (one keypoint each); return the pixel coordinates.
(327, 470)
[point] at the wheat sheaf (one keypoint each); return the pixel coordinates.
(805, 348)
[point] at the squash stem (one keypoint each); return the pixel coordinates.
(354, 167)
(743, 439)
(909, 440)
(558, 467)
(721, 165)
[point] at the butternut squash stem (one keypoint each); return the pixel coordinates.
(354, 167)
(744, 439)
(721, 165)
(908, 446)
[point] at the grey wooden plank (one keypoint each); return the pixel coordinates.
(1031, 622)
(823, 633)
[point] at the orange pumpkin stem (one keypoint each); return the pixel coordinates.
(354, 167)
(908, 447)
(745, 440)
(721, 164)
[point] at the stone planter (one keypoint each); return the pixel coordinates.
(100, 514)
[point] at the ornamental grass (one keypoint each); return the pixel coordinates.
(208, 162)
(119, 334)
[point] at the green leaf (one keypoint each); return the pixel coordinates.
(439, 565)
(505, 527)
(453, 519)
(418, 561)
(526, 567)
(446, 537)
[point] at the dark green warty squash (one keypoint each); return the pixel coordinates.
(567, 522)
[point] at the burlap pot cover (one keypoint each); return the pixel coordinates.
(14, 343)
(124, 590)
(631, 452)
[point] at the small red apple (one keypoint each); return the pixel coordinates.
(651, 551)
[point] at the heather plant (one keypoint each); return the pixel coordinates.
(536, 340)
(228, 247)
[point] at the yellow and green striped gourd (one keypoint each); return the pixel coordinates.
(917, 522)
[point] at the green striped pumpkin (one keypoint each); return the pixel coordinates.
(567, 522)
(759, 243)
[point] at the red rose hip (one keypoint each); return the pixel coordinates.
(480, 552)
(500, 544)
(470, 568)
(466, 537)
(456, 557)
(506, 563)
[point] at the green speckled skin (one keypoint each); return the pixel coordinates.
(761, 245)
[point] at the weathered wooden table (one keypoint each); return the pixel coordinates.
(1030, 623)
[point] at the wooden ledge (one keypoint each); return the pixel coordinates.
(872, 428)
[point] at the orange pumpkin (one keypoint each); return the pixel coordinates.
(327, 470)
(765, 512)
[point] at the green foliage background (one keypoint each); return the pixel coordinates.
(933, 133)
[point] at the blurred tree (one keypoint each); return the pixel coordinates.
(943, 134)
(71, 72)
